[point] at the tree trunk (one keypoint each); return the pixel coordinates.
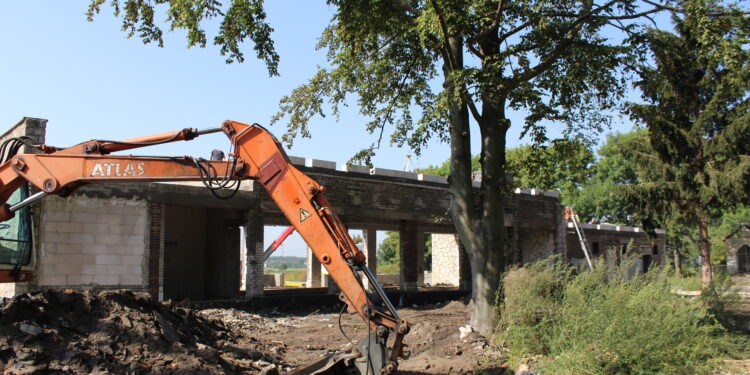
(461, 208)
(481, 234)
(677, 262)
(705, 251)
(489, 256)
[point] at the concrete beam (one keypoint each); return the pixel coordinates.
(355, 169)
(392, 173)
(316, 163)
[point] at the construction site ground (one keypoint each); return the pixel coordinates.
(120, 332)
(435, 342)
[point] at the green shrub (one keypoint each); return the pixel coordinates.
(599, 322)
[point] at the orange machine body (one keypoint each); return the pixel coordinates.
(256, 155)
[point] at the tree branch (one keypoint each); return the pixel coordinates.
(389, 110)
(570, 33)
(444, 28)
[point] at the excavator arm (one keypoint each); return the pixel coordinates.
(255, 154)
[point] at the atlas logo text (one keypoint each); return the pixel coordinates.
(116, 170)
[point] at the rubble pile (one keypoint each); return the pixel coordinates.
(123, 332)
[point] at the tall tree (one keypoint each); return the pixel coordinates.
(598, 198)
(549, 59)
(694, 160)
(546, 58)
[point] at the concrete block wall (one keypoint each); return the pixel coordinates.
(611, 240)
(28, 126)
(93, 242)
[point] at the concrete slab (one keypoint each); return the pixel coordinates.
(431, 178)
(355, 169)
(316, 163)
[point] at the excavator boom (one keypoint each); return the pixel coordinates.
(255, 154)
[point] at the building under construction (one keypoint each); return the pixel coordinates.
(177, 241)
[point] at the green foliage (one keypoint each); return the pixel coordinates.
(276, 262)
(290, 274)
(599, 197)
(388, 251)
(548, 58)
(597, 323)
(692, 162)
(389, 268)
(562, 166)
(242, 19)
(444, 169)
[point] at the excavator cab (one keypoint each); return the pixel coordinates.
(17, 258)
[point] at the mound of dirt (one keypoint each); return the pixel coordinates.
(123, 332)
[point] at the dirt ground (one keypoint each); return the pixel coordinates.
(119, 332)
(434, 342)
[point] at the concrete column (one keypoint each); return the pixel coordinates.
(370, 248)
(312, 265)
(420, 257)
(409, 253)
(254, 245)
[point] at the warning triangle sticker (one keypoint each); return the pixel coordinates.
(303, 215)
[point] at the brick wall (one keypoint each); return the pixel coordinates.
(254, 257)
(92, 242)
(155, 241)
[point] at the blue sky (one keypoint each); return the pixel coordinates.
(90, 81)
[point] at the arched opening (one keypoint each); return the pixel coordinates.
(743, 259)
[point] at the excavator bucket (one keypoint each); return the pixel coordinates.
(368, 358)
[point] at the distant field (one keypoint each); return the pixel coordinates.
(290, 274)
(299, 274)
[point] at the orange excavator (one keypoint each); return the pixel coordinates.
(255, 154)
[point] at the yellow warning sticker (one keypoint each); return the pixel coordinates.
(303, 215)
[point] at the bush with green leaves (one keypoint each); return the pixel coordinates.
(601, 322)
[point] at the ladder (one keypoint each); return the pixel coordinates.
(573, 217)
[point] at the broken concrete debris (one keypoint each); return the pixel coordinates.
(123, 332)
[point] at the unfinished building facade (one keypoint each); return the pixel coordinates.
(177, 241)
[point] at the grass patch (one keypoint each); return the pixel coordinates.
(685, 283)
(388, 268)
(599, 322)
(290, 274)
